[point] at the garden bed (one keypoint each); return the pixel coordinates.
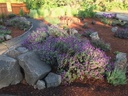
(91, 87)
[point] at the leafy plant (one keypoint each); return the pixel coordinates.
(73, 58)
(19, 22)
(52, 21)
(11, 15)
(106, 21)
(88, 32)
(116, 77)
(101, 45)
(21, 12)
(121, 33)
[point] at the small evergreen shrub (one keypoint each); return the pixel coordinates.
(21, 12)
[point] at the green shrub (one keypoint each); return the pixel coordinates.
(11, 15)
(101, 45)
(19, 22)
(53, 21)
(116, 77)
(33, 14)
(87, 33)
(106, 21)
(21, 12)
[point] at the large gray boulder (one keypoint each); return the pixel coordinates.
(33, 67)
(53, 80)
(9, 71)
(121, 61)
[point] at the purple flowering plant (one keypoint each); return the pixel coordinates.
(106, 15)
(73, 58)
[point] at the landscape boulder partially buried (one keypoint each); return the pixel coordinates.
(9, 71)
(121, 61)
(53, 80)
(33, 67)
(95, 36)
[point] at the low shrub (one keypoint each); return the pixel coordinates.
(33, 13)
(11, 15)
(101, 45)
(121, 33)
(19, 22)
(74, 58)
(116, 77)
(106, 21)
(35, 38)
(4, 30)
(88, 32)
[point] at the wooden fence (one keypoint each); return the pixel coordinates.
(15, 8)
(3, 8)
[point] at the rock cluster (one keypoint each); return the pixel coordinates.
(35, 72)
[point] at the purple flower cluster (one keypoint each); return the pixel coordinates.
(106, 15)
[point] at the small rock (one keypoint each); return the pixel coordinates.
(40, 85)
(121, 61)
(114, 29)
(85, 25)
(22, 49)
(8, 37)
(53, 80)
(12, 52)
(72, 31)
(93, 22)
(94, 36)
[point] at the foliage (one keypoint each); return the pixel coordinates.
(33, 13)
(34, 38)
(52, 21)
(19, 22)
(73, 58)
(116, 77)
(4, 30)
(11, 15)
(21, 12)
(55, 31)
(106, 21)
(88, 32)
(101, 45)
(121, 33)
